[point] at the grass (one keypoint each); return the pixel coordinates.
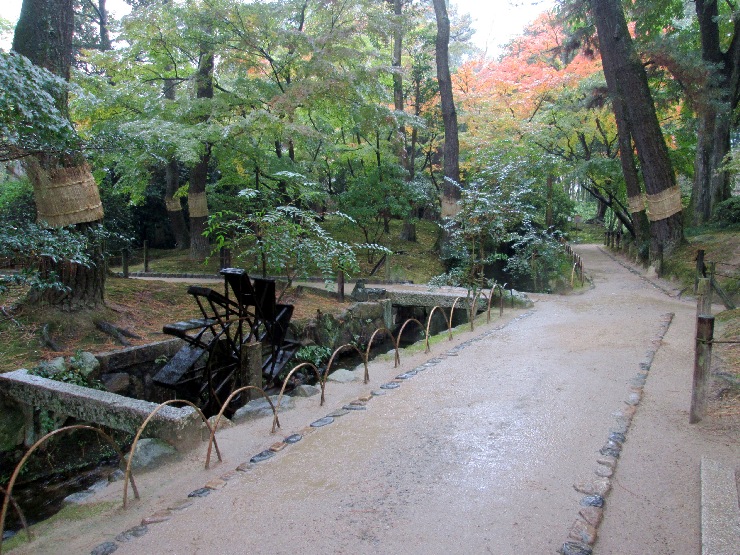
(720, 246)
(410, 261)
(140, 306)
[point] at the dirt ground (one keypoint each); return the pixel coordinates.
(479, 452)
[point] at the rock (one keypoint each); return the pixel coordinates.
(53, 366)
(592, 501)
(337, 413)
(78, 498)
(260, 407)
(575, 548)
(150, 453)
(322, 422)
(598, 487)
(105, 548)
(12, 426)
(592, 515)
(117, 382)
(294, 438)
(156, 518)
(223, 422)
(200, 492)
(354, 407)
(99, 485)
(305, 391)
(343, 376)
(245, 467)
(390, 385)
(116, 475)
(131, 533)
(216, 483)
(582, 532)
(262, 456)
(180, 505)
(87, 363)
(604, 471)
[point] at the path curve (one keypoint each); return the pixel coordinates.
(478, 452)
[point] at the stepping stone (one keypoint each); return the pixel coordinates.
(390, 385)
(131, 533)
(354, 407)
(337, 413)
(322, 422)
(263, 456)
(294, 438)
(105, 548)
(200, 492)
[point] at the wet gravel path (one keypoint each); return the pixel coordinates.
(491, 447)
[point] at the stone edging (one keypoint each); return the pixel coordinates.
(582, 534)
(108, 547)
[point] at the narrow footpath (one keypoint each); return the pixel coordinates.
(562, 424)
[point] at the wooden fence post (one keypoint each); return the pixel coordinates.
(124, 262)
(702, 366)
(146, 256)
(704, 297)
(699, 269)
(340, 285)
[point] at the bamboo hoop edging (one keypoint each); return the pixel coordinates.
(400, 333)
(474, 306)
(212, 429)
(21, 516)
(275, 421)
(141, 431)
(344, 347)
(429, 323)
(33, 448)
(393, 339)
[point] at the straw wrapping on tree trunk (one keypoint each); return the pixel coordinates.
(66, 196)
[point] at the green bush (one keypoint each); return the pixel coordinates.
(728, 211)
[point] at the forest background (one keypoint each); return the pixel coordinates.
(214, 123)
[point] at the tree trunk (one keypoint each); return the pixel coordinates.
(619, 58)
(450, 189)
(197, 201)
(44, 35)
(174, 207)
(636, 203)
(105, 42)
(719, 100)
(172, 184)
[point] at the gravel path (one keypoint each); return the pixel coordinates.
(479, 452)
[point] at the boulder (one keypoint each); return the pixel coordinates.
(150, 453)
(260, 407)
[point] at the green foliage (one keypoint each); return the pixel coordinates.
(728, 211)
(26, 244)
(16, 202)
(30, 119)
(317, 355)
(538, 257)
(475, 233)
(73, 373)
(284, 241)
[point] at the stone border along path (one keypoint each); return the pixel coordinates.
(583, 532)
(106, 548)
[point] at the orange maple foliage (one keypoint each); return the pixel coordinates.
(496, 96)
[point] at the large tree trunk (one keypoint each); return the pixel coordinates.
(174, 208)
(450, 191)
(619, 58)
(172, 183)
(197, 201)
(635, 200)
(719, 100)
(64, 188)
